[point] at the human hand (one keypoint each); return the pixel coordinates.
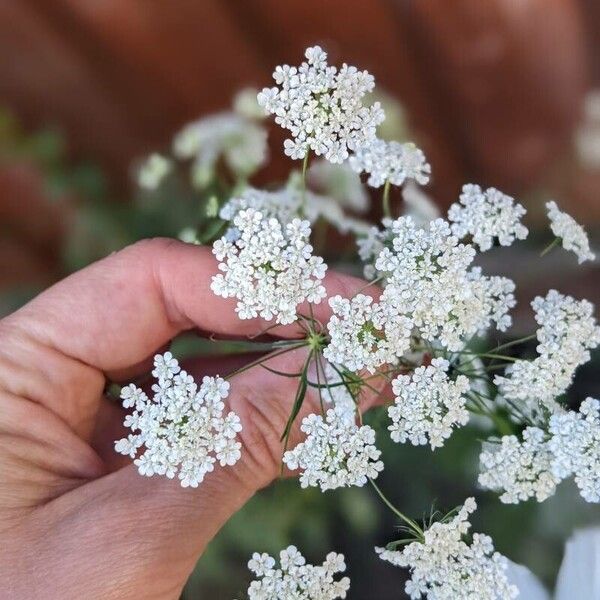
(76, 519)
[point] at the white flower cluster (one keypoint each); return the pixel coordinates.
(572, 234)
(269, 268)
(390, 161)
(567, 333)
(486, 216)
(575, 446)
(287, 203)
(336, 452)
(322, 107)
(445, 567)
(294, 579)
(154, 169)
(365, 334)
(429, 280)
(428, 405)
(535, 466)
(238, 140)
(521, 469)
(183, 429)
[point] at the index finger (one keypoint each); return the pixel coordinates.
(120, 310)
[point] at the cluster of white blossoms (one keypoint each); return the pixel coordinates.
(294, 579)
(269, 268)
(575, 447)
(520, 469)
(240, 142)
(184, 429)
(428, 405)
(365, 334)
(429, 280)
(535, 466)
(322, 107)
(390, 161)
(572, 234)
(567, 333)
(486, 216)
(336, 452)
(445, 567)
(286, 203)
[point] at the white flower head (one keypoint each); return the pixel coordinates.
(239, 141)
(269, 267)
(445, 567)
(390, 161)
(486, 216)
(336, 452)
(152, 172)
(519, 469)
(430, 281)
(322, 107)
(295, 579)
(575, 446)
(365, 334)
(566, 334)
(572, 234)
(428, 405)
(184, 429)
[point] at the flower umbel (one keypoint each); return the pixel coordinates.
(445, 567)
(322, 107)
(486, 216)
(296, 579)
(269, 268)
(336, 452)
(184, 429)
(428, 405)
(390, 161)
(572, 234)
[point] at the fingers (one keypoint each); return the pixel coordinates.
(117, 312)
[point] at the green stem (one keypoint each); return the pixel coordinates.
(550, 247)
(303, 189)
(387, 211)
(292, 346)
(411, 524)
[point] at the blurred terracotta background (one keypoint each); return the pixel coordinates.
(495, 89)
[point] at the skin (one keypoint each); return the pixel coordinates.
(77, 520)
